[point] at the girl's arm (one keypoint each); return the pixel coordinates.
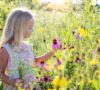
(45, 57)
(55, 46)
(3, 64)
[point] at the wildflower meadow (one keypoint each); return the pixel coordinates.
(77, 26)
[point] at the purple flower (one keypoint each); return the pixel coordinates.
(30, 77)
(94, 67)
(46, 78)
(58, 62)
(77, 60)
(94, 52)
(56, 43)
(77, 36)
(42, 63)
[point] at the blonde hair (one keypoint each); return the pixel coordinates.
(15, 26)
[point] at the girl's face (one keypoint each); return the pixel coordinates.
(29, 29)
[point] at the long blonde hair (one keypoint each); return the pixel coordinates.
(15, 26)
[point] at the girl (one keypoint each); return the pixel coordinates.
(14, 51)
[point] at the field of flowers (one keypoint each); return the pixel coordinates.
(77, 66)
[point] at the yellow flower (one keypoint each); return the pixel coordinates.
(34, 1)
(56, 81)
(19, 88)
(94, 62)
(94, 81)
(62, 89)
(83, 32)
(41, 29)
(60, 81)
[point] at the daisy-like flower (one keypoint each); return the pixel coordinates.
(77, 60)
(60, 81)
(77, 36)
(94, 62)
(58, 62)
(83, 32)
(56, 43)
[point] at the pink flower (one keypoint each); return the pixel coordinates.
(58, 62)
(42, 63)
(78, 37)
(56, 43)
(94, 52)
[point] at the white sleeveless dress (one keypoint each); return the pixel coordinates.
(20, 59)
